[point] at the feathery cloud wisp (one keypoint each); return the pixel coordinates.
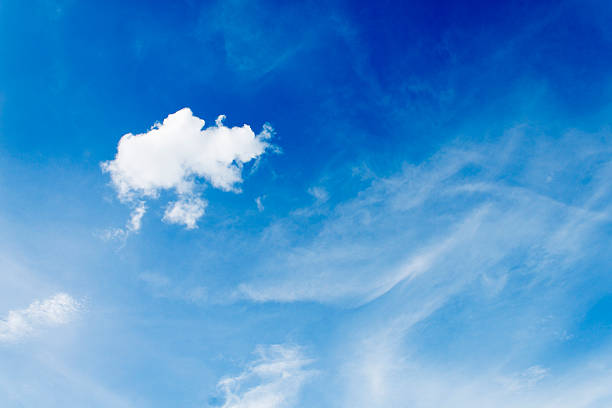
(452, 218)
(273, 380)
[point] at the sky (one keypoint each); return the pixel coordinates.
(266, 204)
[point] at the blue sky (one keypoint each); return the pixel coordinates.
(406, 204)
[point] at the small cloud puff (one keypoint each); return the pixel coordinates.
(57, 310)
(319, 193)
(259, 204)
(172, 155)
(186, 211)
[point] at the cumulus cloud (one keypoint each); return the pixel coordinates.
(273, 380)
(57, 310)
(185, 211)
(177, 153)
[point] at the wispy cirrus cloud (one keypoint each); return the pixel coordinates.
(470, 211)
(382, 373)
(173, 156)
(273, 380)
(464, 266)
(386, 368)
(253, 46)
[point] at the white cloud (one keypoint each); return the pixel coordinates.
(467, 212)
(526, 379)
(186, 211)
(382, 374)
(273, 380)
(392, 361)
(174, 155)
(132, 225)
(319, 193)
(259, 203)
(57, 310)
(136, 215)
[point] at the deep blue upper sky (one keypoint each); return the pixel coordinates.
(429, 225)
